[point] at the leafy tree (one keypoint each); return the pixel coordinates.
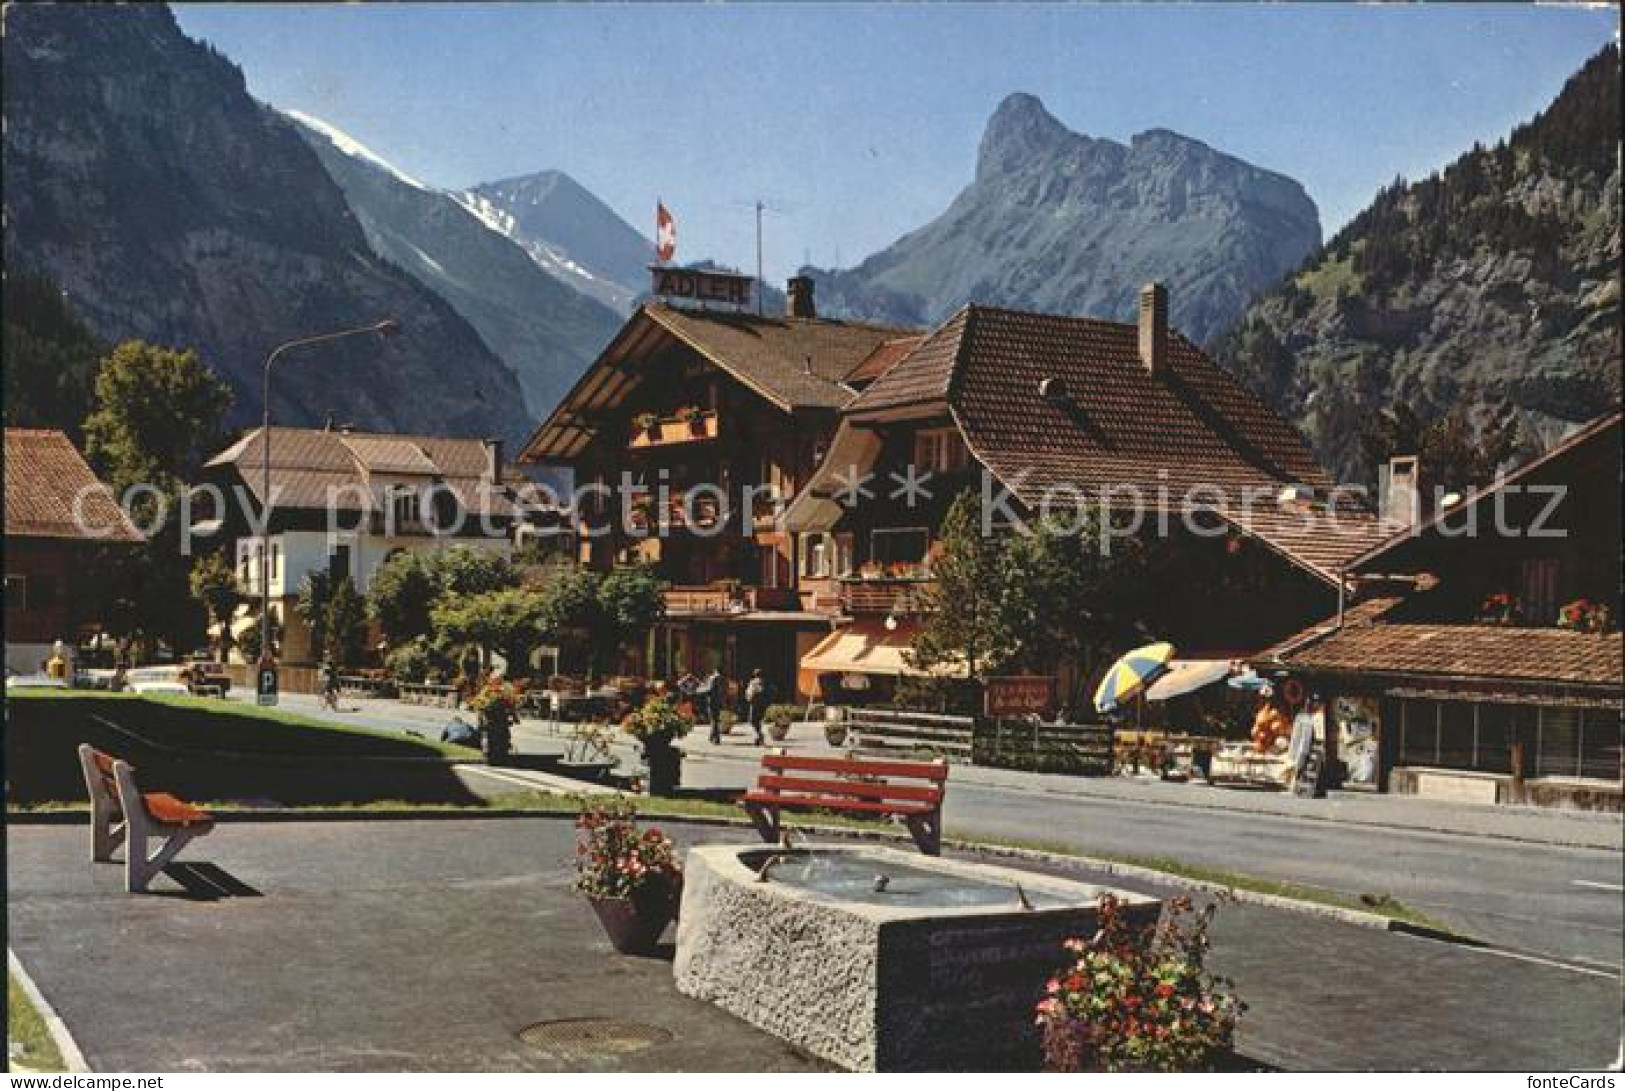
(601, 612)
(1057, 593)
(346, 624)
(312, 606)
(509, 622)
(965, 620)
(402, 593)
(51, 357)
(249, 642)
(463, 570)
(1455, 455)
(214, 584)
(156, 418)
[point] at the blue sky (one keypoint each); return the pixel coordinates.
(859, 123)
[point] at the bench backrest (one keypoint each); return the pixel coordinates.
(792, 775)
(102, 765)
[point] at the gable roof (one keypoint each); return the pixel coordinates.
(1120, 428)
(1597, 441)
(45, 478)
(312, 467)
(792, 363)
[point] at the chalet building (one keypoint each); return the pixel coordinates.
(1071, 410)
(687, 396)
(344, 503)
(1480, 657)
(47, 547)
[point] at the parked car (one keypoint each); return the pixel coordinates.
(166, 679)
(205, 676)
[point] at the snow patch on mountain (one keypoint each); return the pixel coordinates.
(352, 147)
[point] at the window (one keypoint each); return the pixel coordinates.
(1558, 743)
(338, 563)
(1418, 732)
(404, 506)
(276, 560)
(1600, 744)
(826, 556)
(939, 450)
(1540, 603)
(16, 594)
(898, 545)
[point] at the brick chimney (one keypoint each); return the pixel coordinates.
(798, 298)
(493, 461)
(1154, 328)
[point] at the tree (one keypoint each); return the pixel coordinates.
(965, 620)
(402, 593)
(156, 418)
(630, 599)
(346, 624)
(510, 622)
(214, 584)
(462, 570)
(1056, 590)
(51, 357)
(315, 595)
(249, 642)
(1455, 455)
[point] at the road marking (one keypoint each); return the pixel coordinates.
(1573, 968)
(1597, 885)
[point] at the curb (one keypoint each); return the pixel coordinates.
(72, 1059)
(1356, 917)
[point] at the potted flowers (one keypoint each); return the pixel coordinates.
(1501, 608)
(657, 724)
(630, 876)
(694, 417)
(1584, 616)
(647, 423)
(1138, 997)
(778, 719)
(497, 704)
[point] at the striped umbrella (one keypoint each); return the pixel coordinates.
(1130, 675)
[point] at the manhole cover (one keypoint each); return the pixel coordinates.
(593, 1036)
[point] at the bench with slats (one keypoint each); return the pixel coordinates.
(121, 812)
(909, 790)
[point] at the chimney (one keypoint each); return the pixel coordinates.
(1399, 491)
(1154, 328)
(798, 298)
(493, 461)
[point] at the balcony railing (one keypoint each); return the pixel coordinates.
(668, 431)
(714, 599)
(885, 594)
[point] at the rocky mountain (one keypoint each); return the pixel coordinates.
(169, 205)
(544, 331)
(1492, 285)
(1056, 221)
(569, 232)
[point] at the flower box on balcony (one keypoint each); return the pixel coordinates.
(689, 427)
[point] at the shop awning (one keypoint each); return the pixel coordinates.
(868, 647)
(1187, 676)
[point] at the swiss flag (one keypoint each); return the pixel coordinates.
(665, 233)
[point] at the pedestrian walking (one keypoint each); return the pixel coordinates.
(756, 695)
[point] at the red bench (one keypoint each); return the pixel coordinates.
(910, 790)
(121, 812)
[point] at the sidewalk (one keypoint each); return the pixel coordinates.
(731, 764)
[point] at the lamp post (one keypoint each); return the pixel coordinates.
(386, 328)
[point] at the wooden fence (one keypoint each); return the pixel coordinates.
(1079, 749)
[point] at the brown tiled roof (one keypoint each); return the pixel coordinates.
(882, 359)
(312, 467)
(1479, 652)
(1120, 428)
(45, 477)
(798, 363)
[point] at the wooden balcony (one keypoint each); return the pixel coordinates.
(706, 511)
(722, 600)
(670, 431)
(885, 594)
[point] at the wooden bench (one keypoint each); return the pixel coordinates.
(121, 812)
(426, 693)
(910, 790)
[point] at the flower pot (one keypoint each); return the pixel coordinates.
(777, 731)
(665, 763)
(634, 925)
(834, 732)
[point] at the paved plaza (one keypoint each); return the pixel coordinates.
(431, 945)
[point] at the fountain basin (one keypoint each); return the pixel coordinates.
(940, 970)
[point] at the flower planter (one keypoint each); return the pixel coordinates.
(665, 763)
(777, 730)
(835, 732)
(634, 925)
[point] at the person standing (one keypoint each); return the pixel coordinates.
(756, 695)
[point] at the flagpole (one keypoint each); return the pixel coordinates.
(760, 284)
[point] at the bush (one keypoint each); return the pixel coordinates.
(410, 662)
(782, 715)
(657, 720)
(1139, 998)
(614, 859)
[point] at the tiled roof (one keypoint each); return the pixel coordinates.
(798, 363)
(312, 467)
(45, 478)
(1119, 428)
(882, 359)
(1487, 652)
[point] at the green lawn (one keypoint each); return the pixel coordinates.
(30, 1044)
(200, 748)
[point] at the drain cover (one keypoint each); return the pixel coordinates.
(593, 1037)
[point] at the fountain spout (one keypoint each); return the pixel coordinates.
(767, 865)
(881, 883)
(1022, 900)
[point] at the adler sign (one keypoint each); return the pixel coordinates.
(702, 285)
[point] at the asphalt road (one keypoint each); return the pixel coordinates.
(1550, 900)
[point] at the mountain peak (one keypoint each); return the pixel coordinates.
(1019, 128)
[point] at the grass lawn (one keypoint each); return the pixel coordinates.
(28, 1042)
(201, 748)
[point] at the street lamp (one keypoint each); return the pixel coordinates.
(386, 328)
